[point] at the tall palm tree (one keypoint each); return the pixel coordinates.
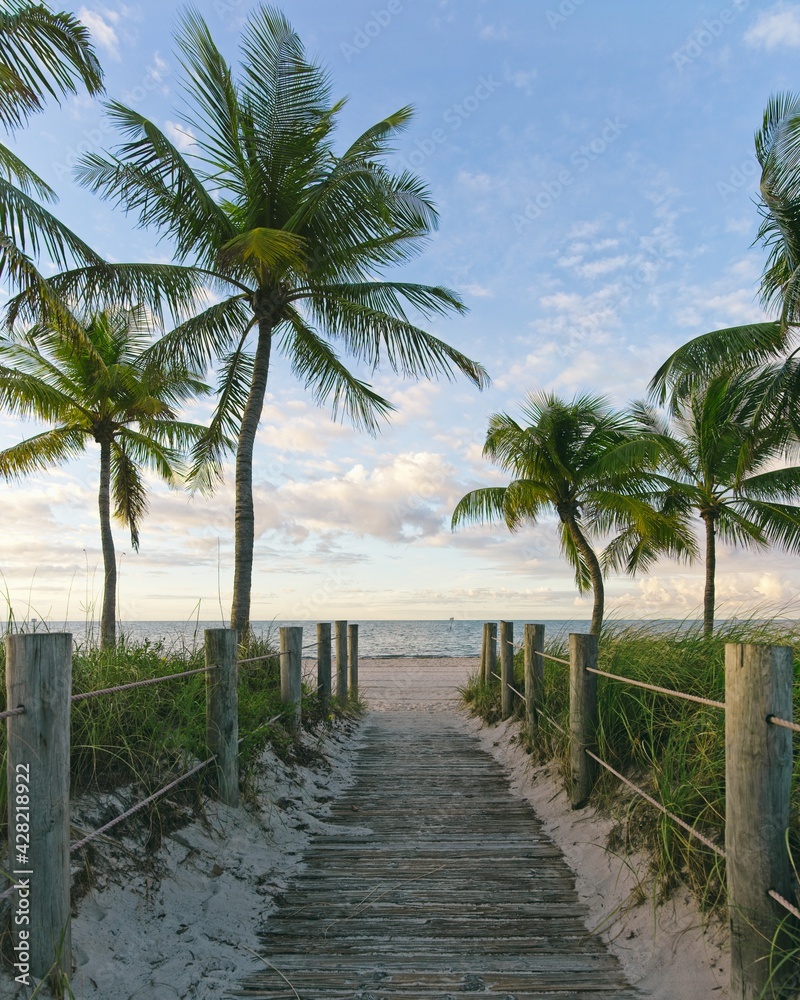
(110, 389)
(590, 465)
(43, 54)
(289, 234)
(719, 463)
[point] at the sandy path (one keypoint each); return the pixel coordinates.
(428, 684)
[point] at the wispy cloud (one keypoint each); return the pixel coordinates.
(778, 27)
(101, 23)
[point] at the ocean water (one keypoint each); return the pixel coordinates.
(375, 638)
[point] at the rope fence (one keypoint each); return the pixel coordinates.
(259, 659)
(39, 681)
(553, 722)
(759, 761)
(658, 805)
(138, 684)
(784, 903)
(101, 831)
(659, 690)
(555, 659)
(783, 723)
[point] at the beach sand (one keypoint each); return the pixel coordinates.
(187, 924)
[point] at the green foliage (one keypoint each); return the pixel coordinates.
(146, 736)
(673, 749)
(593, 467)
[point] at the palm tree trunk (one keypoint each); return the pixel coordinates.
(108, 619)
(709, 596)
(598, 589)
(244, 519)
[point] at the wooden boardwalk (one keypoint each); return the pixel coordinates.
(438, 883)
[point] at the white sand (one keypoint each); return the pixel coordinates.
(188, 927)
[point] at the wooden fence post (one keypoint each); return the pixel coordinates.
(39, 677)
(534, 677)
(490, 660)
(582, 716)
(222, 710)
(324, 660)
(292, 671)
(758, 781)
(341, 662)
(352, 659)
(506, 668)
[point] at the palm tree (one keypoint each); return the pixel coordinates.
(589, 464)
(289, 235)
(109, 389)
(720, 465)
(42, 54)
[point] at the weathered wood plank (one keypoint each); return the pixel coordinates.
(435, 882)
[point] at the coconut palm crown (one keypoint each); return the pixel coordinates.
(591, 466)
(111, 390)
(720, 463)
(289, 235)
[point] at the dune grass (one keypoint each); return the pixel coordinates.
(672, 748)
(146, 736)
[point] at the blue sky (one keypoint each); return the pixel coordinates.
(593, 166)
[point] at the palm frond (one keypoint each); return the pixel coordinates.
(38, 453)
(128, 491)
(42, 54)
(322, 371)
(732, 348)
(19, 173)
(36, 231)
(483, 506)
(149, 177)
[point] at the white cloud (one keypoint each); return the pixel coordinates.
(597, 268)
(492, 32)
(778, 27)
(101, 26)
(478, 291)
(180, 135)
(522, 79)
(400, 499)
(475, 182)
